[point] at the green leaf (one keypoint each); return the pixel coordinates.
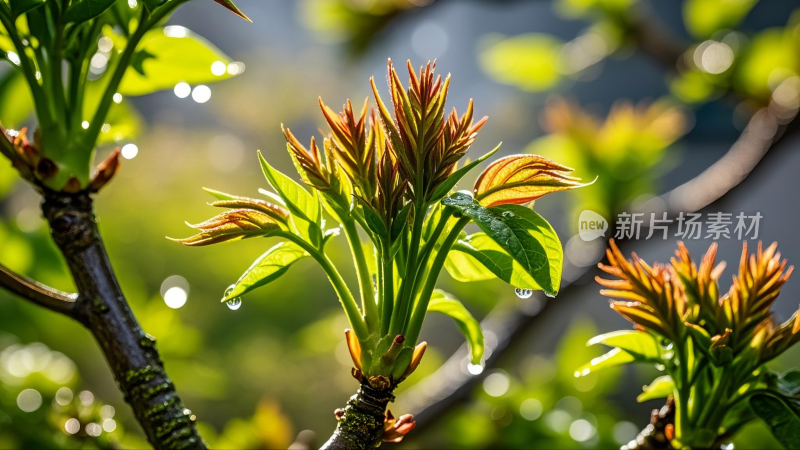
(298, 200)
(16, 103)
(373, 220)
(219, 195)
(20, 7)
(401, 221)
(124, 124)
(153, 4)
(528, 61)
(789, 383)
(782, 415)
(479, 248)
(661, 387)
(615, 357)
(465, 268)
(705, 17)
(443, 189)
(267, 268)
(80, 11)
(168, 56)
(522, 234)
(441, 302)
(640, 344)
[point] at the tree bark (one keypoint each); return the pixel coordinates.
(102, 308)
(361, 423)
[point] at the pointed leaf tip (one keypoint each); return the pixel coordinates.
(228, 4)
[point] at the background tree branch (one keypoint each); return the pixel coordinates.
(38, 293)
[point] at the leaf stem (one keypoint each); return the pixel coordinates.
(404, 298)
(386, 280)
(421, 308)
(368, 304)
(345, 296)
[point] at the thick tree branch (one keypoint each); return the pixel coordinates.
(37, 293)
(131, 354)
(360, 424)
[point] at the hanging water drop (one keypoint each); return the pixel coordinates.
(234, 303)
(523, 293)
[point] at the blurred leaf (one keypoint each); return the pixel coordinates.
(267, 268)
(615, 357)
(640, 344)
(80, 11)
(782, 415)
(789, 382)
(772, 53)
(124, 124)
(661, 387)
(16, 103)
(528, 61)
(582, 8)
(168, 56)
(693, 86)
(705, 17)
(273, 427)
(152, 4)
(19, 7)
(522, 233)
(441, 302)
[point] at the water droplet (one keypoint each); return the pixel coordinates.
(475, 369)
(549, 294)
(508, 214)
(523, 293)
(666, 345)
(234, 303)
(660, 367)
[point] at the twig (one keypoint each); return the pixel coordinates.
(38, 293)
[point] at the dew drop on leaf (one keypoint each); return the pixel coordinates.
(234, 303)
(523, 293)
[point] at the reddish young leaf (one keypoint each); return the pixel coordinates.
(519, 179)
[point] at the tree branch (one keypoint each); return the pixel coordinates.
(35, 292)
(131, 354)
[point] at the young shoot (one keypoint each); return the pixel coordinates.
(389, 171)
(712, 349)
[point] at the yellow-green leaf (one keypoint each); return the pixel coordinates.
(171, 55)
(615, 357)
(638, 343)
(267, 268)
(441, 302)
(661, 387)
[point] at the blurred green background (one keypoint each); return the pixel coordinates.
(259, 376)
